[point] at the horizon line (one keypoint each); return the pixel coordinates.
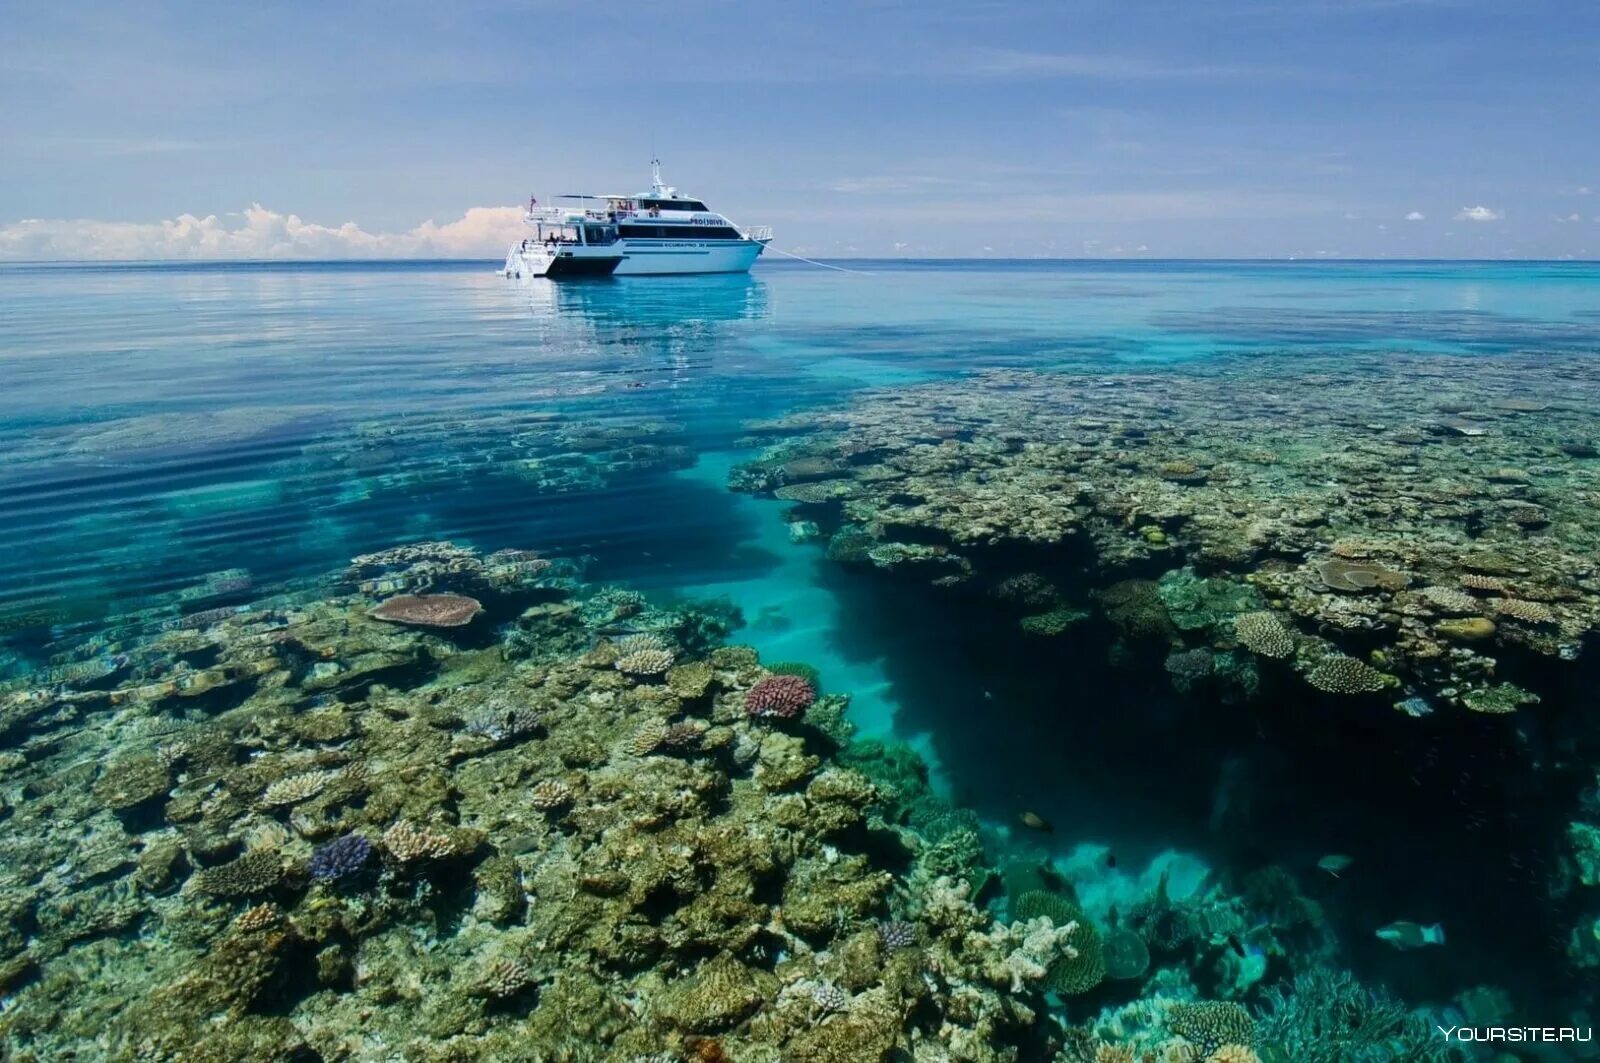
(1285, 259)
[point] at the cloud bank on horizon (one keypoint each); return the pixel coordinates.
(1235, 128)
(255, 233)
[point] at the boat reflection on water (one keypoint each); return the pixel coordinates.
(654, 300)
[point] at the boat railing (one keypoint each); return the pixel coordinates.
(759, 233)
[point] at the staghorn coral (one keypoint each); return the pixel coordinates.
(1326, 1016)
(1263, 634)
(783, 696)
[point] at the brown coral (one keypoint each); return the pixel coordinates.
(408, 843)
(261, 917)
(1264, 634)
(647, 737)
(645, 662)
(429, 610)
(1234, 1054)
(550, 794)
(296, 788)
(1340, 574)
(1449, 599)
(255, 872)
(1347, 675)
(1525, 611)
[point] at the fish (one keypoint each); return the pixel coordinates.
(1406, 935)
(1237, 945)
(1334, 863)
(1111, 858)
(1034, 821)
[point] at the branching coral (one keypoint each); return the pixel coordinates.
(784, 696)
(1262, 633)
(1347, 675)
(1326, 1016)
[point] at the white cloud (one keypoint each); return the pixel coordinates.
(1415, 215)
(258, 233)
(1585, 190)
(1479, 214)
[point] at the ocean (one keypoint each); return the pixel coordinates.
(1236, 611)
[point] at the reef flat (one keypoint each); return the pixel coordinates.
(1416, 528)
(452, 806)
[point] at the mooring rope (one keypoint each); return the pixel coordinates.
(814, 262)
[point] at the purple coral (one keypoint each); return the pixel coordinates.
(785, 696)
(340, 858)
(897, 935)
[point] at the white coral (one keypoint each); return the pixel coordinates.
(1029, 949)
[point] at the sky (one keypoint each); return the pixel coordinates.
(963, 128)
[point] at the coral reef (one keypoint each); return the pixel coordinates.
(1360, 537)
(784, 696)
(327, 822)
(1325, 1016)
(429, 610)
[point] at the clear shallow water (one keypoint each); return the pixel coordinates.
(173, 430)
(163, 424)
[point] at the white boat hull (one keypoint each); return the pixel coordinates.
(661, 257)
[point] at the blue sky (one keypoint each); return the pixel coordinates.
(1409, 128)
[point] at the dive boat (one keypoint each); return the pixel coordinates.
(654, 232)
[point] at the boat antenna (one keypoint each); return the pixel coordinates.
(655, 177)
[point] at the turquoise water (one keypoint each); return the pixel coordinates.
(205, 434)
(164, 422)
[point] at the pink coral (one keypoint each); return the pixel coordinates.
(780, 695)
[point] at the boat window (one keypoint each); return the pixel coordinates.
(679, 232)
(672, 204)
(599, 234)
